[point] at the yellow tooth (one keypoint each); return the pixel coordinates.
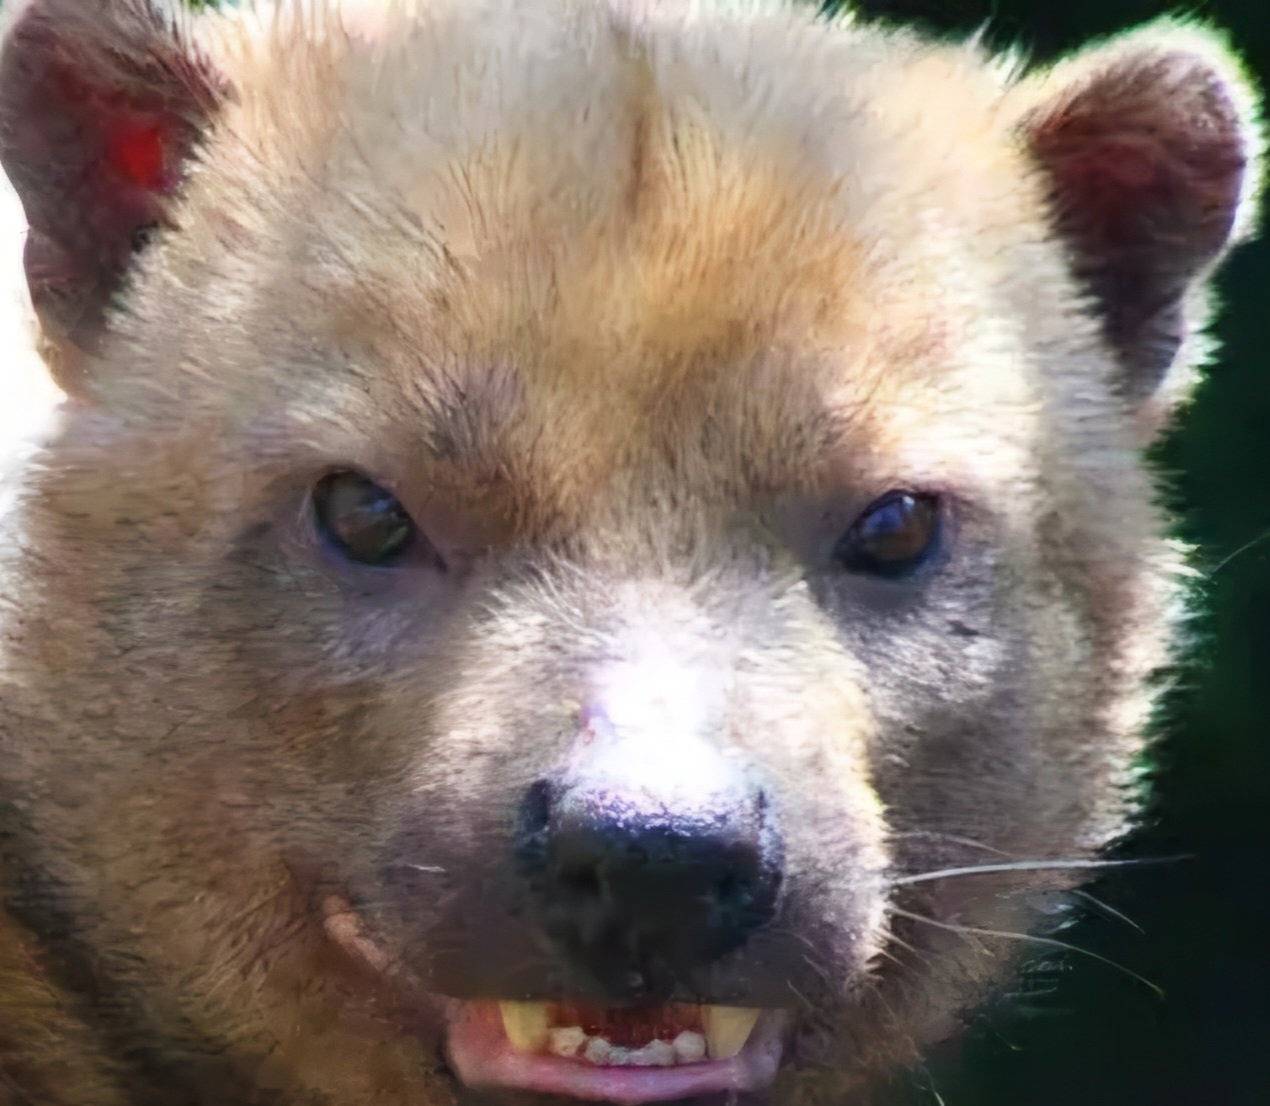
(727, 1029)
(525, 1024)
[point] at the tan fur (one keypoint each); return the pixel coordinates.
(634, 309)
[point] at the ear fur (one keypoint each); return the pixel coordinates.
(100, 105)
(1151, 148)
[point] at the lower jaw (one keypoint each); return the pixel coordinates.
(482, 1057)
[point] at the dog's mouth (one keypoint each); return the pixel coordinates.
(625, 1055)
(628, 1054)
(658, 1036)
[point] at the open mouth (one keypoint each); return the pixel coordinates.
(624, 1055)
(628, 1055)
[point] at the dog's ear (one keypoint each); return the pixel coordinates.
(1150, 148)
(101, 103)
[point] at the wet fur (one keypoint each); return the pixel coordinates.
(634, 338)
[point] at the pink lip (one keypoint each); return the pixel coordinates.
(482, 1057)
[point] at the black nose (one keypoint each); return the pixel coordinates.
(641, 903)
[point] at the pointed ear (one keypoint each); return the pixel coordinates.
(101, 102)
(1150, 147)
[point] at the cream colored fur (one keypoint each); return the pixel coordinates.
(635, 308)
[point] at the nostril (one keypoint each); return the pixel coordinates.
(533, 823)
(535, 808)
(582, 881)
(730, 891)
(739, 897)
(638, 901)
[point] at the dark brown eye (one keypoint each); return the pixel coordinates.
(361, 520)
(894, 537)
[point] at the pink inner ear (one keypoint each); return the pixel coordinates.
(1161, 184)
(1113, 179)
(1124, 163)
(99, 110)
(136, 151)
(134, 138)
(1146, 164)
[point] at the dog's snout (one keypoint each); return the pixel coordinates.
(640, 899)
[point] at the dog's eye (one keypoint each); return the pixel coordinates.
(893, 537)
(363, 521)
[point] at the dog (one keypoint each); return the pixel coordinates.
(588, 551)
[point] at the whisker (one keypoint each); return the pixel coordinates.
(893, 1017)
(891, 939)
(951, 838)
(801, 997)
(1032, 866)
(1048, 942)
(904, 945)
(930, 1086)
(1107, 908)
(886, 954)
(819, 969)
(1250, 544)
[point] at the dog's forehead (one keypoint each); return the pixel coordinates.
(607, 247)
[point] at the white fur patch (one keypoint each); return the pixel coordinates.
(647, 730)
(30, 397)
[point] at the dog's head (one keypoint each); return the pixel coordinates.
(586, 547)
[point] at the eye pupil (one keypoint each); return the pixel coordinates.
(362, 520)
(893, 537)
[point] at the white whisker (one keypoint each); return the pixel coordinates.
(1029, 866)
(1047, 942)
(1107, 909)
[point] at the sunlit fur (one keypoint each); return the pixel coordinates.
(635, 308)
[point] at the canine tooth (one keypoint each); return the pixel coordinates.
(727, 1029)
(566, 1040)
(525, 1024)
(689, 1047)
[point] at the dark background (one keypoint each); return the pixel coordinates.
(1080, 1032)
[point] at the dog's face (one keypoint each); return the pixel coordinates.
(588, 512)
